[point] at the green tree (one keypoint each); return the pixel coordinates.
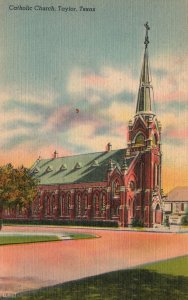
(17, 187)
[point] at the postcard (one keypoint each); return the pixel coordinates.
(93, 149)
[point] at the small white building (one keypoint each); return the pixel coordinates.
(176, 204)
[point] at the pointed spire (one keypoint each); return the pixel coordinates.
(145, 88)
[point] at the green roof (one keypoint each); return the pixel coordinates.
(90, 167)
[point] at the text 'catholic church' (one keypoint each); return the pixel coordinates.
(121, 185)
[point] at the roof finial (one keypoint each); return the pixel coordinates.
(146, 42)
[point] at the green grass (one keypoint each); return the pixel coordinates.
(158, 281)
(19, 239)
(78, 236)
(176, 267)
(22, 239)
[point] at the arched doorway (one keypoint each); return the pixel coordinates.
(158, 214)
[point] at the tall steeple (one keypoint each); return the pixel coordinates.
(145, 88)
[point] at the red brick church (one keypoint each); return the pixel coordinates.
(122, 185)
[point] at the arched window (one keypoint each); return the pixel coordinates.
(132, 185)
(95, 204)
(101, 204)
(36, 205)
(62, 204)
(104, 201)
(140, 140)
(158, 176)
(116, 187)
(134, 208)
(84, 204)
(154, 140)
(46, 205)
(155, 175)
(52, 204)
(78, 204)
(141, 175)
(67, 204)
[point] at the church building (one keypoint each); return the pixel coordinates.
(122, 185)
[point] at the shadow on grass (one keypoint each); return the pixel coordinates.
(121, 285)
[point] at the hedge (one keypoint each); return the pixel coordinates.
(62, 222)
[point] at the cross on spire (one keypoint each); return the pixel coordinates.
(146, 42)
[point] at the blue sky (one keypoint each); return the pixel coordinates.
(54, 62)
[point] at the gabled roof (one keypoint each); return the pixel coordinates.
(178, 194)
(88, 170)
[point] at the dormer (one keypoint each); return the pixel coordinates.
(36, 170)
(49, 169)
(63, 167)
(78, 165)
(95, 163)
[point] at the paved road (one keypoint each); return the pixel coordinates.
(30, 266)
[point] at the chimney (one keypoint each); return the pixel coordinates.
(109, 147)
(55, 154)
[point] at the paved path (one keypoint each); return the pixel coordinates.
(30, 266)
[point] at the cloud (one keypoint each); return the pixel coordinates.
(108, 81)
(85, 136)
(27, 95)
(120, 112)
(47, 151)
(175, 126)
(170, 79)
(21, 116)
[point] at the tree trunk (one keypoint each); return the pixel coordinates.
(1, 216)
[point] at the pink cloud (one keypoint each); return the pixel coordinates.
(48, 151)
(29, 153)
(109, 80)
(178, 133)
(122, 131)
(94, 80)
(58, 116)
(172, 85)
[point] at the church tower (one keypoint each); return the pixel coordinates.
(144, 141)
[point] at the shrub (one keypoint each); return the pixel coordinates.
(137, 223)
(184, 220)
(166, 222)
(93, 223)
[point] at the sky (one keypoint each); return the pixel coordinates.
(54, 62)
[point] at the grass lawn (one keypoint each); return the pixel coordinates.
(158, 281)
(19, 239)
(78, 236)
(176, 267)
(22, 239)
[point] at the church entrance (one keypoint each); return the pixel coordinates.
(158, 215)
